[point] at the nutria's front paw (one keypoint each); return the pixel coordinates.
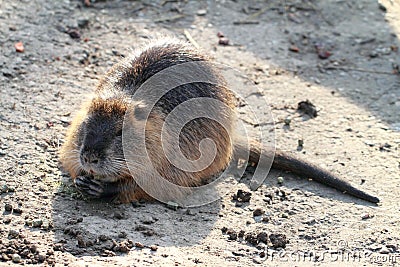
(96, 189)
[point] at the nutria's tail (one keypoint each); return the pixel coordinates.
(284, 161)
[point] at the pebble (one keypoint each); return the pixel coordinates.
(153, 248)
(366, 216)
(172, 205)
(118, 215)
(223, 41)
(148, 220)
(139, 245)
(278, 240)
(13, 233)
(201, 12)
(83, 23)
(8, 207)
(37, 223)
(41, 257)
(122, 234)
(258, 212)
(257, 260)
(45, 224)
(310, 221)
(17, 211)
(16, 258)
(384, 250)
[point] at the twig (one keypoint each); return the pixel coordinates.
(190, 39)
(250, 19)
(258, 13)
(245, 22)
(168, 1)
(170, 18)
(358, 69)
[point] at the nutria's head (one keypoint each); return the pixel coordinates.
(100, 148)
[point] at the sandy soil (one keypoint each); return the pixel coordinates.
(356, 133)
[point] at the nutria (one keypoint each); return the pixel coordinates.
(93, 150)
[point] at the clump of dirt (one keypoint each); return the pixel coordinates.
(242, 196)
(18, 249)
(255, 238)
(308, 108)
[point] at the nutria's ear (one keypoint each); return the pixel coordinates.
(140, 110)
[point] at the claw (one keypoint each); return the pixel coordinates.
(89, 186)
(95, 188)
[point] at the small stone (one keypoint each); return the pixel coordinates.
(83, 23)
(118, 215)
(287, 121)
(223, 41)
(369, 143)
(8, 207)
(242, 196)
(382, 7)
(17, 211)
(280, 180)
(384, 250)
(278, 240)
(172, 205)
(103, 238)
(122, 235)
(257, 261)
(367, 216)
(13, 233)
(81, 242)
(310, 221)
(45, 224)
(294, 48)
(241, 233)
(19, 47)
(300, 142)
(153, 248)
(251, 238)
(265, 219)
(16, 258)
(7, 220)
(74, 34)
(148, 220)
(139, 245)
(258, 212)
(201, 12)
(41, 257)
(33, 248)
(37, 223)
(262, 237)
(232, 234)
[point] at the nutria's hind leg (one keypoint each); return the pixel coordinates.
(130, 192)
(93, 188)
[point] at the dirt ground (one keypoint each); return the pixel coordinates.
(341, 55)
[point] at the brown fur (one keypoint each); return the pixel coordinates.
(93, 146)
(111, 100)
